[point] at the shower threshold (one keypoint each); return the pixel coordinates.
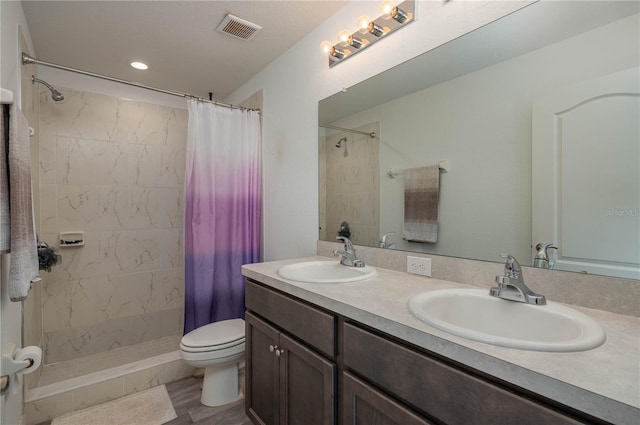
(125, 362)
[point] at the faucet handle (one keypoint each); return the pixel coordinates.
(512, 267)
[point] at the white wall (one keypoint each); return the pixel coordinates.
(295, 82)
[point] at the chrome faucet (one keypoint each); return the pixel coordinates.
(511, 285)
(541, 259)
(383, 241)
(348, 256)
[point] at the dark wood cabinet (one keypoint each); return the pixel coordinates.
(439, 390)
(364, 405)
(262, 371)
(288, 382)
(309, 366)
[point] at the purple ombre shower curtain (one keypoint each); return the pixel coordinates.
(223, 201)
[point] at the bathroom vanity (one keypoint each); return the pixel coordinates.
(351, 353)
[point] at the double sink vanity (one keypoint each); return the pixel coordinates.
(331, 344)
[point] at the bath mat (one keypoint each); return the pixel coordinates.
(149, 407)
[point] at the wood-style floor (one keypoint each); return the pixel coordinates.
(185, 397)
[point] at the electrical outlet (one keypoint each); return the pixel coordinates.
(419, 265)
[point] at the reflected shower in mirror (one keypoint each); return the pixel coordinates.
(485, 102)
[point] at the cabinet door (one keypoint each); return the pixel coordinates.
(307, 386)
(364, 405)
(261, 371)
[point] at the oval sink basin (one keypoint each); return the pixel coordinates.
(476, 315)
(325, 272)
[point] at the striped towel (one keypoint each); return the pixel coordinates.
(421, 195)
(24, 251)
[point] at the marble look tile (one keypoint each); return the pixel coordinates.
(167, 289)
(136, 122)
(170, 208)
(173, 126)
(170, 252)
(86, 115)
(95, 394)
(74, 164)
(78, 262)
(172, 166)
(36, 412)
(47, 120)
(114, 169)
(156, 375)
(137, 251)
(70, 343)
(77, 206)
(144, 165)
(110, 163)
(47, 158)
(49, 208)
(142, 209)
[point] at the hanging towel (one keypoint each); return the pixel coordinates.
(24, 250)
(5, 220)
(421, 194)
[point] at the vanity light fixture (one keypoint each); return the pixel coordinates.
(375, 29)
(399, 15)
(393, 17)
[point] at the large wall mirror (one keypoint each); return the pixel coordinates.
(537, 115)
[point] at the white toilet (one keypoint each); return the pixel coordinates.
(219, 348)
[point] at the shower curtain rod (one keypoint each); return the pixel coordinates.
(372, 134)
(26, 59)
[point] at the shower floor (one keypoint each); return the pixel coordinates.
(56, 372)
(87, 381)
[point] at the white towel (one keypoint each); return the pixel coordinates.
(24, 251)
(421, 196)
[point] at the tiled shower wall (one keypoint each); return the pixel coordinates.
(113, 169)
(350, 176)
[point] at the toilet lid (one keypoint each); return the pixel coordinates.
(226, 332)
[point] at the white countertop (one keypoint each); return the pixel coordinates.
(603, 382)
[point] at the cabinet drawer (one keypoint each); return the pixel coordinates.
(437, 389)
(363, 405)
(315, 327)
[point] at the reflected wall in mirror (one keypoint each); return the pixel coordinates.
(471, 102)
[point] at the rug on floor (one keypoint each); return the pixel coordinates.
(149, 407)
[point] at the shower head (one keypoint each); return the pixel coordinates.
(55, 94)
(339, 144)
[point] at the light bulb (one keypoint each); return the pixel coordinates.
(326, 47)
(386, 8)
(363, 24)
(343, 37)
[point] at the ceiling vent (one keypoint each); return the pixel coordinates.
(238, 28)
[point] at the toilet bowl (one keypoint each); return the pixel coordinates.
(218, 348)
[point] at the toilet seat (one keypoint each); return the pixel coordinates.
(218, 336)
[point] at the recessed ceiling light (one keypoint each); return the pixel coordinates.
(139, 65)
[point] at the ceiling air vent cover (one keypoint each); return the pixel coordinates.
(238, 28)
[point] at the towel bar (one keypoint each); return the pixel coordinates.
(443, 165)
